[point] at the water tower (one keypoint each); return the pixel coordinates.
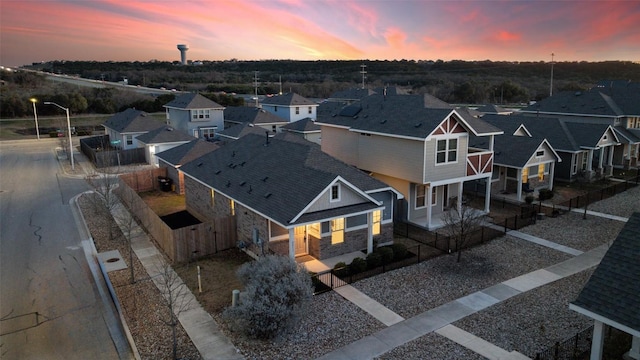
(183, 53)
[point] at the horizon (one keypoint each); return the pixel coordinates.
(297, 30)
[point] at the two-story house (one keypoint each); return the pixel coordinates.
(234, 115)
(289, 197)
(195, 115)
(611, 103)
(422, 152)
(124, 127)
(291, 107)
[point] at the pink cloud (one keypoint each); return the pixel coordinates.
(395, 37)
(506, 36)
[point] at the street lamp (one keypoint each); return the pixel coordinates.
(68, 130)
(35, 115)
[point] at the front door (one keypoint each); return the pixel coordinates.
(300, 237)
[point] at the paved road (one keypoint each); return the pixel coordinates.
(50, 305)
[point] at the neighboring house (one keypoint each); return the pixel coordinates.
(289, 197)
(174, 158)
(586, 149)
(611, 297)
(493, 109)
(305, 128)
(161, 139)
(617, 104)
(350, 96)
(291, 107)
(421, 152)
(255, 116)
(124, 127)
(195, 115)
(237, 131)
(521, 164)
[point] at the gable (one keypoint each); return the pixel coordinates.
(522, 131)
(544, 153)
(608, 138)
(348, 195)
(449, 126)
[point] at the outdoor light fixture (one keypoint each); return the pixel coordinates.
(35, 115)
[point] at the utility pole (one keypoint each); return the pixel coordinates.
(551, 85)
(363, 72)
(255, 85)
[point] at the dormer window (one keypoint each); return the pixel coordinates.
(335, 193)
(310, 110)
(540, 153)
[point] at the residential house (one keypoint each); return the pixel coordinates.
(172, 159)
(195, 115)
(289, 197)
(305, 128)
(161, 139)
(617, 104)
(124, 127)
(237, 131)
(422, 152)
(586, 149)
(291, 107)
(255, 116)
(493, 109)
(610, 297)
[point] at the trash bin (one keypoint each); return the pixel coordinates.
(165, 183)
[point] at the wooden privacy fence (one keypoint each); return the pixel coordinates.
(183, 244)
(145, 180)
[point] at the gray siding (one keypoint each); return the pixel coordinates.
(396, 157)
(341, 144)
(347, 197)
(447, 171)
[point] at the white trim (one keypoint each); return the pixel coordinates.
(339, 193)
(603, 319)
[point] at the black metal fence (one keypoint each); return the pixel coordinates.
(574, 348)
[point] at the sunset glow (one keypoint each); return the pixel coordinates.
(103, 30)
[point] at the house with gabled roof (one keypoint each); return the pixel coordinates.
(255, 116)
(493, 109)
(305, 128)
(161, 139)
(611, 296)
(291, 107)
(172, 159)
(289, 197)
(124, 127)
(195, 115)
(236, 131)
(422, 152)
(586, 149)
(616, 105)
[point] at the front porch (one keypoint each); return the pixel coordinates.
(318, 266)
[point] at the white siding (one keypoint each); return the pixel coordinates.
(389, 156)
(445, 171)
(347, 197)
(341, 144)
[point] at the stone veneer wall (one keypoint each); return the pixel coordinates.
(246, 221)
(353, 241)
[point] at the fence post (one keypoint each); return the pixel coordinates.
(515, 222)
(482, 234)
(556, 350)
(418, 254)
(506, 220)
(601, 193)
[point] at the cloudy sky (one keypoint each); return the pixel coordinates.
(129, 30)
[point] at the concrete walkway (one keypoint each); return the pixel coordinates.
(437, 319)
(602, 215)
(198, 324)
(536, 240)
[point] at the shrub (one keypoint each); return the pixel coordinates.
(529, 199)
(277, 291)
(399, 251)
(340, 269)
(545, 194)
(374, 260)
(358, 265)
(386, 254)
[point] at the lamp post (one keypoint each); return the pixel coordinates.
(68, 130)
(35, 115)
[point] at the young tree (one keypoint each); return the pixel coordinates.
(176, 296)
(460, 223)
(277, 291)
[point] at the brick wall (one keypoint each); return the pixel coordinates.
(198, 200)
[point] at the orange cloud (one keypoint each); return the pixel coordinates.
(395, 37)
(504, 35)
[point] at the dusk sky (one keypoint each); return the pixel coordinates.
(103, 30)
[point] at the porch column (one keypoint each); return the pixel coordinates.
(491, 142)
(610, 161)
(598, 340)
(459, 204)
(552, 171)
(519, 190)
(369, 233)
(428, 196)
(292, 244)
(634, 352)
(589, 163)
(487, 195)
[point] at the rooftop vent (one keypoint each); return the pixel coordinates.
(228, 183)
(217, 172)
(264, 179)
(267, 195)
(250, 189)
(199, 164)
(418, 125)
(383, 122)
(243, 183)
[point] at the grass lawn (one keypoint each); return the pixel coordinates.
(163, 203)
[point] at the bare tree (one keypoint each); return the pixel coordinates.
(460, 223)
(176, 296)
(127, 221)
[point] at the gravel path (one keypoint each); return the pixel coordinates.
(623, 204)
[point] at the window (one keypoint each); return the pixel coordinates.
(274, 128)
(337, 231)
(232, 205)
(434, 195)
(335, 193)
(541, 168)
(129, 139)
(310, 110)
(207, 133)
(213, 196)
(420, 199)
(574, 164)
(525, 175)
(297, 110)
(377, 217)
(540, 153)
(275, 109)
(447, 151)
(585, 157)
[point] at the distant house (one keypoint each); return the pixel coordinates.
(289, 197)
(124, 127)
(291, 107)
(161, 139)
(422, 152)
(255, 116)
(493, 109)
(237, 131)
(611, 103)
(611, 296)
(305, 128)
(195, 115)
(586, 149)
(172, 159)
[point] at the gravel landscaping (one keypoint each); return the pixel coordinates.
(623, 204)
(431, 346)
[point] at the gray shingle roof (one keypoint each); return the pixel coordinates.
(239, 130)
(256, 116)
(492, 109)
(279, 179)
(164, 134)
(306, 125)
(289, 99)
(186, 152)
(613, 291)
(509, 150)
(613, 102)
(192, 101)
(351, 94)
(132, 121)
